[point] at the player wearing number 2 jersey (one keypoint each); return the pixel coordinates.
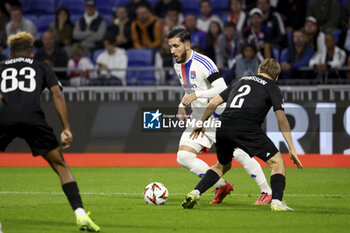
(21, 82)
(202, 81)
(248, 102)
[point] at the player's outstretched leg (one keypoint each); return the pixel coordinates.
(208, 180)
(70, 188)
(253, 168)
(278, 182)
(187, 157)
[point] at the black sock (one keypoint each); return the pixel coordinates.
(72, 192)
(208, 180)
(278, 183)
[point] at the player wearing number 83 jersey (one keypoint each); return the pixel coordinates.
(22, 81)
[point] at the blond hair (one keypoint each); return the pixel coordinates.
(270, 67)
(21, 42)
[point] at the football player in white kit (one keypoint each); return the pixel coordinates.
(202, 81)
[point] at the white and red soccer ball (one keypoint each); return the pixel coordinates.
(155, 194)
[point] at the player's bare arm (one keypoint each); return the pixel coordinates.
(181, 113)
(60, 105)
(213, 104)
(188, 99)
(285, 128)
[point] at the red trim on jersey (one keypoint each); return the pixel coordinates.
(183, 71)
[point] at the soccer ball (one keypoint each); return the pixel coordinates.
(155, 194)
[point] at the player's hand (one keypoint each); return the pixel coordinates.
(294, 157)
(181, 114)
(66, 138)
(195, 133)
(0, 98)
(188, 99)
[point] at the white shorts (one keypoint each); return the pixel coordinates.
(207, 141)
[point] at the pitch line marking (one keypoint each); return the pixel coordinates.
(172, 194)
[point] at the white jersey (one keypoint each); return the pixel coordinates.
(196, 75)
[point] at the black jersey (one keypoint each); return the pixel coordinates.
(249, 99)
(22, 81)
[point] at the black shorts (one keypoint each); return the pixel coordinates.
(252, 140)
(40, 137)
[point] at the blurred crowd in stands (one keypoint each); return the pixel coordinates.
(97, 40)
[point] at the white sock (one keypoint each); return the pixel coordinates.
(196, 193)
(197, 166)
(80, 212)
(276, 202)
(190, 161)
(254, 170)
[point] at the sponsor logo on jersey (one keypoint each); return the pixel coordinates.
(151, 120)
(189, 85)
(193, 74)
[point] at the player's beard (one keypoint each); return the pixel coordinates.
(183, 57)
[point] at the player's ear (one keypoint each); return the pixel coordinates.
(31, 55)
(188, 45)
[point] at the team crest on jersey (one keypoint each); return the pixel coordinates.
(193, 74)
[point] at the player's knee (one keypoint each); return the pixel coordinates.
(277, 163)
(220, 168)
(183, 157)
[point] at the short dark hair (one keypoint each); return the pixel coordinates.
(229, 24)
(16, 8)
(144, 4)
(203, 1)
(181, 33)
(110, 38)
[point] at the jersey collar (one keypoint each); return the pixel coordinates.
(192, 54)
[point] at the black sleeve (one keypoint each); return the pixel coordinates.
(50, 77)
(276, 98)
(214, 77)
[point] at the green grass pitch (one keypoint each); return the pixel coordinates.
(31, 200)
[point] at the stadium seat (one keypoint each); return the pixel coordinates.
(122, 2)
(44, 23)
(6, 52)
(283, 53)
(96, 53)
(336, 34)
(74, 6)
(32, 18)
(107, 17)
(75, 18)
(140, 58)
(38, 7)
(153, 2)
(220, 7)
(191, 6)
(276, 54)
(342, 2)
(105, 7)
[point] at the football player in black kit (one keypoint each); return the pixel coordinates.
(22, 80)
(248, 102)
